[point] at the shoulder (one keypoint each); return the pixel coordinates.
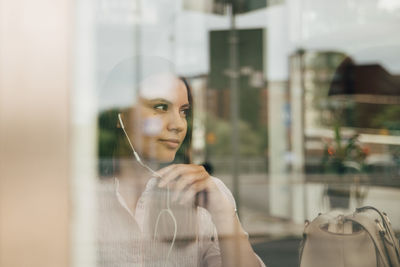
(224, 189)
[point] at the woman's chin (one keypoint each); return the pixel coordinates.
(166, 160)
(163, 159)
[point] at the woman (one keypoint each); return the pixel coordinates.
(178, 214)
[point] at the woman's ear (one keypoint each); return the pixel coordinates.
(123, 118)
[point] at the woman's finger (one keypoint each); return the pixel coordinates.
(167, 169)
(168, 174)
(177, 171)
(185, 181)
(189, 179)
(191, 192)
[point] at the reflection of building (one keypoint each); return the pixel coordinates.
(250, 70)
(263, 107)
(362, 98)
(372, 79)
(218, 104)
(212, 102)
(373, 94)
(217, 6)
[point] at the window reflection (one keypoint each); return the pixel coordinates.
(316, 110)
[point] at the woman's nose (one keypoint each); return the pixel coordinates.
(176, 122)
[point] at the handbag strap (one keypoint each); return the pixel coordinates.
(386, 224)
(370, 228)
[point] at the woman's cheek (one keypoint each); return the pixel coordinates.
(152, 126)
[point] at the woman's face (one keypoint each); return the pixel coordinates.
(159, 118)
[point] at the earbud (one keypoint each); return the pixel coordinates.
(120, 121)
(133, 149)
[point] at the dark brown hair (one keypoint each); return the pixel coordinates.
(184, 154)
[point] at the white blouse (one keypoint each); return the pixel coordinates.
(121, 241)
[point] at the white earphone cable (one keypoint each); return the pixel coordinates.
(168, 209)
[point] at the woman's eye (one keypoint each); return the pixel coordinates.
(184, 112)
(163, 107)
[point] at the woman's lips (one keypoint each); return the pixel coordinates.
(170, 143)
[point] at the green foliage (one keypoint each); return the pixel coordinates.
(388, 118)
(253, 142)
(110, 137)
(344, 154)
(107, 133)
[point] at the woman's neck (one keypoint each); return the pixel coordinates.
(133, 179)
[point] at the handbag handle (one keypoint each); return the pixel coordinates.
(385, 221)
(370, 228)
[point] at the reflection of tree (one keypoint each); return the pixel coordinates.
(388, 118)
(343, 153)
(108, 138)
(250, 105)
(319, 73)
(252, 142)
(107, 134)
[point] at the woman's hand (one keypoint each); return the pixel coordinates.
(186, 180)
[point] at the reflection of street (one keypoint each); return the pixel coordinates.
(277, 240)
(255, 204)
(280, 252)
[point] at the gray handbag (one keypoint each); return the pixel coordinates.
(364, 238)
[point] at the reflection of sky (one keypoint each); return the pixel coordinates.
(147, 77)
(365, 30)
(389, 5)
(126, 97)
(387, 56)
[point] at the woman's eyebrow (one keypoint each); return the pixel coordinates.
(185, 106)
(159, 100)
(166, 102)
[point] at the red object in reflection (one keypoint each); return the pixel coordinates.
(331, 151)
